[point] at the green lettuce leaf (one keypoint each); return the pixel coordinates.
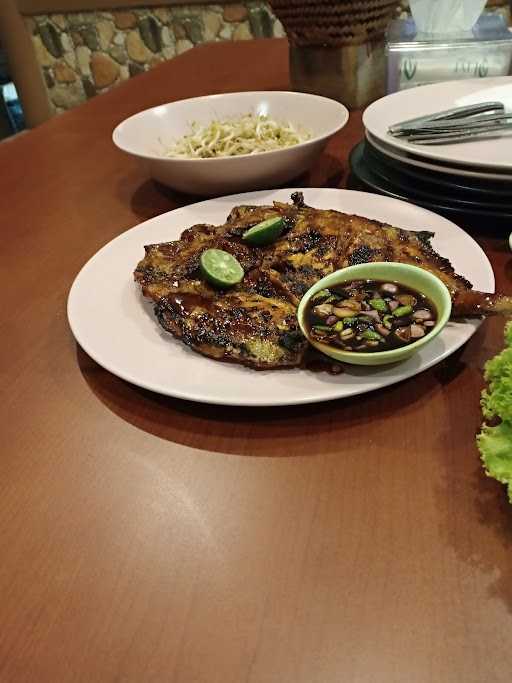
(495, 445)
(495, 442)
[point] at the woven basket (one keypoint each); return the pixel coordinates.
(334, 24)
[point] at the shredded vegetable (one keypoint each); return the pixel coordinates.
(248, 134)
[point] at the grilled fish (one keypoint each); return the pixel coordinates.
(239, 326)
(255, 322)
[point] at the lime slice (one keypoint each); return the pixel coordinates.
(220, 268)
(265, 232)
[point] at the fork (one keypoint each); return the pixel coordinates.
(485, 119)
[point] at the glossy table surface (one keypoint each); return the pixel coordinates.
(148, 539)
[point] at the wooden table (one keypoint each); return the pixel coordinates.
(148, 539)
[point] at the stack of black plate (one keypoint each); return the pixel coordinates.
(440, 192)
(472, 179)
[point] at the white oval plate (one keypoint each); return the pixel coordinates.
(492, 153)
(113, 324)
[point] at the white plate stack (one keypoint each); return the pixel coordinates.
(471, 178)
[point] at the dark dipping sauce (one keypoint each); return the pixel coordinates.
(369, 315)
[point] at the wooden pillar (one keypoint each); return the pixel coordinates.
(24, 69)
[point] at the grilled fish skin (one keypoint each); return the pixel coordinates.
(363, 240)
(243, 327)
(307, 250)
(166, 265)
(471, 303)
(255, 322)
(373, 241)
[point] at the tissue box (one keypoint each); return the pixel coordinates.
(419, 59)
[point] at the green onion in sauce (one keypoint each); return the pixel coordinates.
(369, 315)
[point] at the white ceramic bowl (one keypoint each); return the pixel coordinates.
(145, 136)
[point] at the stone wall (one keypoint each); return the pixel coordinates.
(83, 54)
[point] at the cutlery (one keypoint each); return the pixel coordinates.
(485, 119)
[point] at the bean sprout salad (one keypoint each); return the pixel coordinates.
(248, 134)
